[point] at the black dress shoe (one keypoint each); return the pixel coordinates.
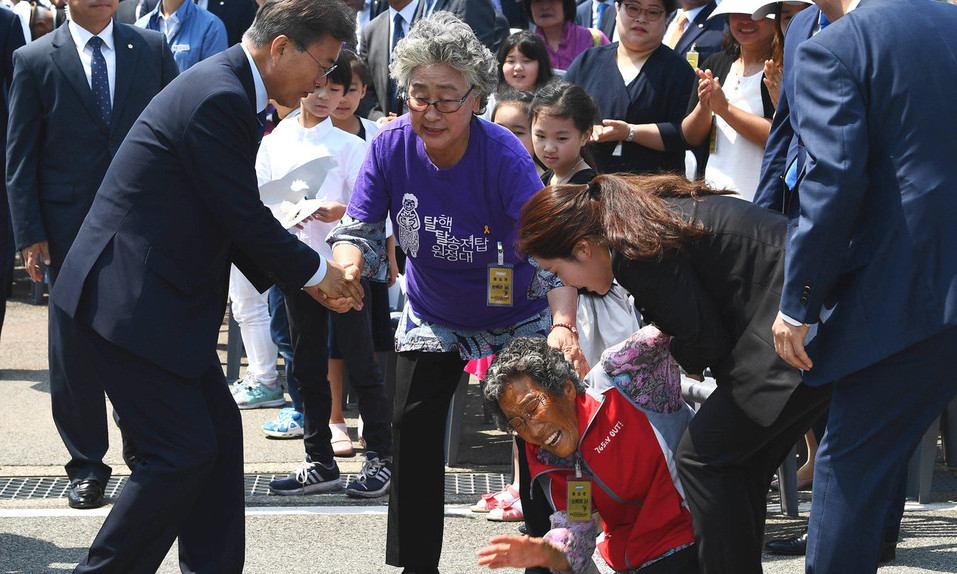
(85, 494)
(796, 546)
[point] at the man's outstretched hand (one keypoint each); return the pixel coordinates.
(340, 289)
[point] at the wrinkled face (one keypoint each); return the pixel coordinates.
(750, 33)
(520, 71)
(641, 24)
(547, 13)
(589, 268)
(350, 100)
(540, 418)
(445, 135)
(557, 142)
(322, 102)
(296, 74)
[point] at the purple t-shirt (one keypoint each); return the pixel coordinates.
(450, 221)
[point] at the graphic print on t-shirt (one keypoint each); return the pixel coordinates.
(408, 223)
(448, 246)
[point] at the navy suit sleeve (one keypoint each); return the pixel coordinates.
(833, 125)
(770, 192)
(218, 154)
(669, 294)
(14, 40)
(23, 148)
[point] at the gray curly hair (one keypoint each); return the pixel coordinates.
(444, 39)
(534, 358)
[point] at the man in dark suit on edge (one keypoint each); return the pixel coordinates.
(873, 259)
(75, 94)
(142, 292)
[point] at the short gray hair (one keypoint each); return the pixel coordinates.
(530, 357)
(444, 39)
(303, 21)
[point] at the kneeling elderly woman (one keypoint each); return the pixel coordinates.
(605, 446)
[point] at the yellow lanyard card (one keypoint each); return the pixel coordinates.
(579, 500)
(500, 282)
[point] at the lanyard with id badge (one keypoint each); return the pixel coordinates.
(578, 495)
(500, 281)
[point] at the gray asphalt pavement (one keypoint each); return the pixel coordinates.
(322, 534)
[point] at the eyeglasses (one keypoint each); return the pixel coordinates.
(325, 71)
(520, 423)
(634, 11)
(442, 106)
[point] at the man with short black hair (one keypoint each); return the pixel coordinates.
(144, 286)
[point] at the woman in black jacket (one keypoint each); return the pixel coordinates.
(707, 269)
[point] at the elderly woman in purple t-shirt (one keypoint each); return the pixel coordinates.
(453, 185)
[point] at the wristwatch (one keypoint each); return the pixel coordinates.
(631, 133)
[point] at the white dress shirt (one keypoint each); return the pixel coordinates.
(262, 100)
(80, 38)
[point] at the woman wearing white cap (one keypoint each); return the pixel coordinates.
(731, 110)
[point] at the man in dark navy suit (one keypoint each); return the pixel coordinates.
(689, 27)
(872, 262)
(76, 92)
(142, 292)
(599, 14)
(11, 38)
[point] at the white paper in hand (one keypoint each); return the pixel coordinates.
(292, 198)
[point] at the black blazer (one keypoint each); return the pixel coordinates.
(237, 15)
(149, 268)
(707, 36)
(11, 38)
(58, 145)
(376, 50)
(479, 15)
(718, 298)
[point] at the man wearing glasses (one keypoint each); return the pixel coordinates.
(142, 292)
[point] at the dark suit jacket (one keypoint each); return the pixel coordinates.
(584, 17)
(706, 36)
(718, 298)
(58, 145)
(874, 255)
(126, 11)
(479, 15)
(514, 13)
(11, 38)
(376, 50)
(784, 146)
(237, 15)
(180, 202)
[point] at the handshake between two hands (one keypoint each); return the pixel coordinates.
(340, 290)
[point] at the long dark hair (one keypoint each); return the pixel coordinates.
(623, 211)
(533, 48)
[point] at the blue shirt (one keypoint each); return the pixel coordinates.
(193, 34)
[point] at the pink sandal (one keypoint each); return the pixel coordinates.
(511, 512)
(494, 500)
